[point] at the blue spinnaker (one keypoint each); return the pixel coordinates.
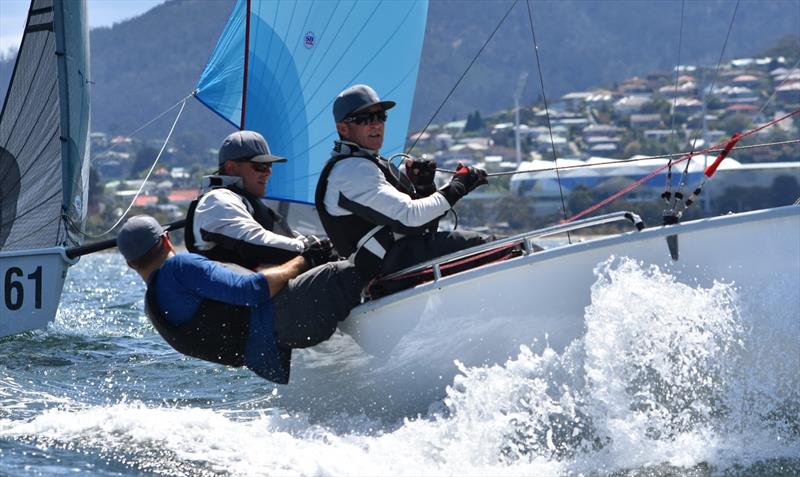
(300, 55)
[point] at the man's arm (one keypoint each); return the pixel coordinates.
(278, 276)
(357, 186)
(222, 219)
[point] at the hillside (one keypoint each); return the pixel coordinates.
(144, 65)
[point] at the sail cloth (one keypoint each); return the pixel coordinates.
(282, 78)
(44, 129)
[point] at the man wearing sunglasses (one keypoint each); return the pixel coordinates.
(230, 223)
(385, 218)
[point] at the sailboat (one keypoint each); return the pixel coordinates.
(274, 70)
(44, 169)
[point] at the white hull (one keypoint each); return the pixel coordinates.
(482, 316)
(31, 282)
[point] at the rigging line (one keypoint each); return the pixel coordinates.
(775, 92)
(647, 158)
(547, 115)
(619, 162)
(138, 192)
(668, 181)
(180, 103)
(452, 90)
(711, 88)
(687, 158)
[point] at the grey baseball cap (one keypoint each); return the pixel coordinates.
(139, 234)
(246, 146)
(356, 99)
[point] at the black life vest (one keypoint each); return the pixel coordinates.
(218, 331)
(265, 216)
(348, 232)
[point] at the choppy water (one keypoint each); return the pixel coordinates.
(662, 383)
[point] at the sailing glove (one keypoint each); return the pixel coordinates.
(318, 251)
(464, 181)
(421, 172)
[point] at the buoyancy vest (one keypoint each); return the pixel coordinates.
(265, 216)
(217, 332)
(352, 234)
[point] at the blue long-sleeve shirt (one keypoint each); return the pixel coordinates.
(186, 279)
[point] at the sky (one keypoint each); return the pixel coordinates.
(101, 13)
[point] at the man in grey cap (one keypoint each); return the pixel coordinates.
(385, 218)
(230, 223)
(230, 315)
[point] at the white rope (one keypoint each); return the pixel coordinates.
(147, 177)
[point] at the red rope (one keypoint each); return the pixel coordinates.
(649, 176)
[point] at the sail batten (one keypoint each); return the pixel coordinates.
(300, 55)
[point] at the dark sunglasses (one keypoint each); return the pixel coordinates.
(367, 118)
(260, 167)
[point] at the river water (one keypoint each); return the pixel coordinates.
(654, 387)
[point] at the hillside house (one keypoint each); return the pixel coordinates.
(660, 136)
(635, 86)
(685, 90)
(601, 98)
(687, 106)
(631, 104)
(607, 130)
(576, 102)
(645, 121)
(746, 81)
(789, 93)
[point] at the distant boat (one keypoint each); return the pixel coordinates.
(277, 68)
(44, 169)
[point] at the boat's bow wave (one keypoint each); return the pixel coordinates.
(660, 380)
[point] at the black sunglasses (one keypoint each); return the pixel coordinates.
(367, 118)
(260, 166)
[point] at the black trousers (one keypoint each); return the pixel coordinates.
(411, 250)
(310, 306)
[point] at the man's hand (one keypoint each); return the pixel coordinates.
(464, 181)
(420, 172)
(318, 251)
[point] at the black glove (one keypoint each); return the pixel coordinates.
(464, 181)
(420, 172)
(318, 251)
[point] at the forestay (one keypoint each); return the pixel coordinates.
(278, 66)
(44, 128)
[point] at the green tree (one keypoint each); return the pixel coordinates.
(579, 199)
(143, 160)
(735, 123)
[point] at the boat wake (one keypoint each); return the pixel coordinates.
(667, 379)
